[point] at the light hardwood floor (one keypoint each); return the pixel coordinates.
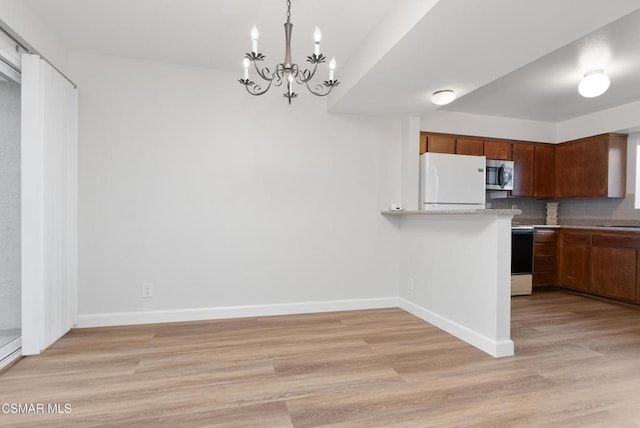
(577, 364)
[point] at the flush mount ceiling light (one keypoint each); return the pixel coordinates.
(443, 97)
(287, 72)
(593, 84)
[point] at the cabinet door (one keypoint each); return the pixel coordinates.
(497, 150)
(544, 170)
(613, 272)
(637, 277)
(595, 166)
(617, 165)
(469, 146)
(574, 260)
(441, 143)
(522, 155)
(569, 170)
(544, 249)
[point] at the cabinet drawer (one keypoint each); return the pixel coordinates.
(579, 238)
(546, 278)
(545, 236)
(619, 240)
(544, 249)
(544, 264)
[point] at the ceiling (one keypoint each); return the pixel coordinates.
(208, 33)
(505, 58)
(549, 84)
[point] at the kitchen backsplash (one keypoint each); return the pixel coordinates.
(531, 208)
(572, 209)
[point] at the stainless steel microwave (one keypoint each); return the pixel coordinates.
(499, 174)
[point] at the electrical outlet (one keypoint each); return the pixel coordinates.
(147, 290)
(410, 285)
(514, 207)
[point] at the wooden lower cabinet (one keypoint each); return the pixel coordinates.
(613, 272)
(574, 260)
(605, 264)
(544, 257)
(637, 277)
(614, 265)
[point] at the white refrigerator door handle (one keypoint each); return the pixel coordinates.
(436, 183)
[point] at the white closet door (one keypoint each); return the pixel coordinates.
(49, 204)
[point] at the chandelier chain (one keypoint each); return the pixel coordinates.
(288, 11)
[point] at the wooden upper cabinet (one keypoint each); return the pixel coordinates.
(584, 168)
(441, 143)
(569, 170)
(592, 167)
(469, 146)
(544, 170)
(497, 150)
(423, 143)
(595, 166)
(522, 156)
(617, 165)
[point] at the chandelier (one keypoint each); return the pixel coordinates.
(287, 72)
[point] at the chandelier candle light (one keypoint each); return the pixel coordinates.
(287, 71)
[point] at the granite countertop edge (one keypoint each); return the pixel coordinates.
(586, 224)
(496, 212)
(585, 227)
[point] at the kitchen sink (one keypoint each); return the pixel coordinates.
(635, 226)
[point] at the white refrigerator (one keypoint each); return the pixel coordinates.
(452, 182)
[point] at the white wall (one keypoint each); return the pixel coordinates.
(460, 267)
(410, 165)
(223, 199)
(488, 126)
(10, 206)
(616, 119)
(18, 17)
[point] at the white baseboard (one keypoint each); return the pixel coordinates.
(495, 348)
(503, 348)
(198, 314)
